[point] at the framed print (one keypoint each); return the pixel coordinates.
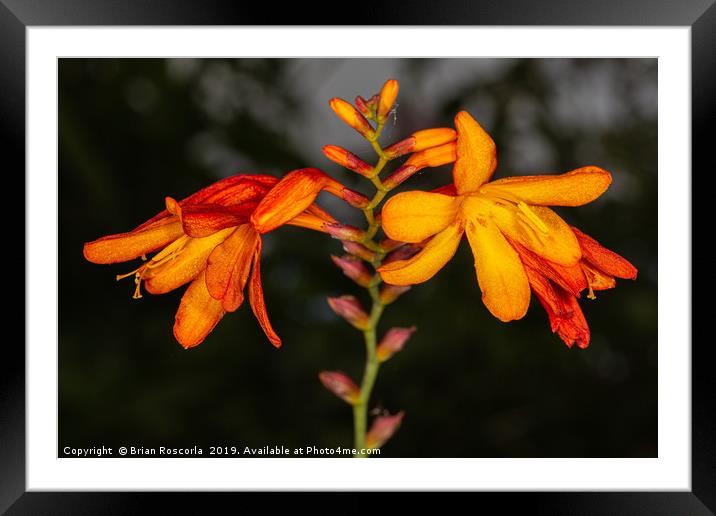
(456, 247)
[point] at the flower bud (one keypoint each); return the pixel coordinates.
(351, 310)
(389, 293)
(382, 429)
(352, 117)
(432, 157)
(354, 269)
(428, 138)
(358, 250)
(345, 232)
(355, 199)
(347, 160)
(362, 106)
(392, 342)
(341, 385)
(388, 94)
(400, 148)
(421, 140)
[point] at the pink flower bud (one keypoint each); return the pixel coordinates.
(382, 429)
(358, 250)
(389, 293)
(354, 269)
(355, 199)
(393, 341)
(341, 385)
(351, 310)
(344, 232)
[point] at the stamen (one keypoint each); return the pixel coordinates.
(532, 216)
(589, 276)
(168, 253)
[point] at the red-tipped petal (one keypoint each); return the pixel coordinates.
(602, 258)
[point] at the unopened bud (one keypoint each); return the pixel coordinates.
(347, 160)
(351, 310)
(358, 250)
(382, 429)
(345, 232)
(388, 94)
(400, 148)
(428, 138)
(389, 293)
(393, 341)
(399, 175)
(355, 199)
(421, 140)
(352, 117)
(354, 269)
(341, 385)
(362, 106)
(432, 157)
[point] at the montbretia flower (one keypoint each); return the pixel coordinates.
(213, 240)
(496, 216)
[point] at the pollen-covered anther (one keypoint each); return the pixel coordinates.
(165, 255)
(532, 216)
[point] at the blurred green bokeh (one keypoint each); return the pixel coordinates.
(132, 131)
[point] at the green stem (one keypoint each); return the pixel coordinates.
(372, 365)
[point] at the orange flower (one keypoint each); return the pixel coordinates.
(211, 240)
(496, 216)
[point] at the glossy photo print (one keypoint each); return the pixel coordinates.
(357, 258)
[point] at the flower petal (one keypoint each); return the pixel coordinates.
(570, 278)
(476, 154)
(228, 265)
(574, 188)
(414, 216)
(256, 298)
(127, 246)
(200, 220)
(602, 258)
(500, 273)
(427, 262)
(291, 196)
(198, 314)
(185, 266)
(231, 190)
(537, 228)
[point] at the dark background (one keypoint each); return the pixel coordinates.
(133, 131)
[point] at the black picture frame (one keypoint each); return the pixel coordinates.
(17, 15)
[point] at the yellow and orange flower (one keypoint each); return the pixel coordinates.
(213, 240)
(514, 236)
